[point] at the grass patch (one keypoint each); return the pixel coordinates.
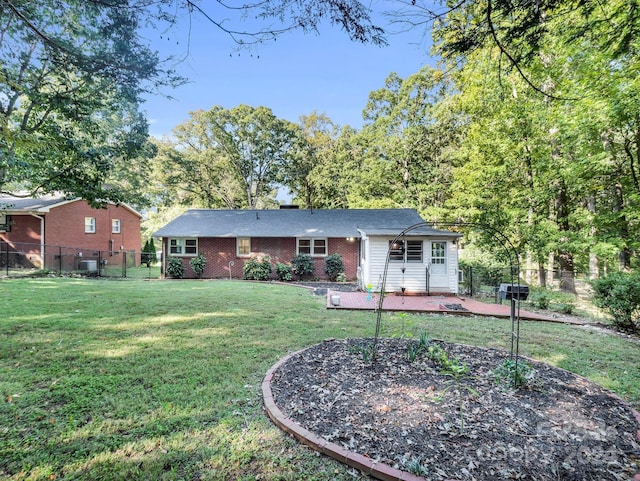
(136, 379)
(138, 272)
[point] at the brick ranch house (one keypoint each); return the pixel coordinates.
(424, 260)
(53, 232)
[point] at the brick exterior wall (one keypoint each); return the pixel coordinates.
(349, 251)
(220, 252)
(25, 238)
(64, 226)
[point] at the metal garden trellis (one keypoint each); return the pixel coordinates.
(514, 261)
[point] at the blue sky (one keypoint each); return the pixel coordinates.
(293, 76)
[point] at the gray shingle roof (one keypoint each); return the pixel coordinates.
(19, 205)
(295, 223)
(29, 204)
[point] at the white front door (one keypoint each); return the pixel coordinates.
(438, 258)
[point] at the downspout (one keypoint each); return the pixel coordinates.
(362, 268)
(42, 244)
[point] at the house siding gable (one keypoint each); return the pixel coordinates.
(414, 278)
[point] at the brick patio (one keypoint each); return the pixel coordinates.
(436, 304)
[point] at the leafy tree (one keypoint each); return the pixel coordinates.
(281, 16)
(409, 137)
(229, 157)
(148, 256)
(314, 149)
(334, 176)
(520, 31)
(555, 174)
(72, 77)
(188, 171)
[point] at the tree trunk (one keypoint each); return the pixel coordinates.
(567, 281)
(565, 256)
(624, 256)
(594, 267)
(542, 278)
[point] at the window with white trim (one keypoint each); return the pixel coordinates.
(90, 225)
(313, 247)
(115, 226)
(183, 246)
(243, 246)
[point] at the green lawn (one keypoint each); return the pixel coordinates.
(146, 379)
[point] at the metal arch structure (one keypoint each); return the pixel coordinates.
(514, 260)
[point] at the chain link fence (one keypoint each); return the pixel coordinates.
(23, 259)
(480, 281)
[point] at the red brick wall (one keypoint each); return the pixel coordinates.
(25, 237)
(65, 226)
(24, 228)
(348, 249)
(221, 251)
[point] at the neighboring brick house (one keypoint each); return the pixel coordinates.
(66, 234)
(425, 259)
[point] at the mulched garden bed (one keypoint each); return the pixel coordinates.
(411, 416)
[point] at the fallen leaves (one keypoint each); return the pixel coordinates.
(566, 427)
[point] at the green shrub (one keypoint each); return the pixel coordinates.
(619, 295)
(514, 375)
(175, 268)
(342, 277)
(257, 269)
(565, 307)
(302, 265)
(283, 271)
(543, 298)
(198, 263)
(540, 298)
(333, 266)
